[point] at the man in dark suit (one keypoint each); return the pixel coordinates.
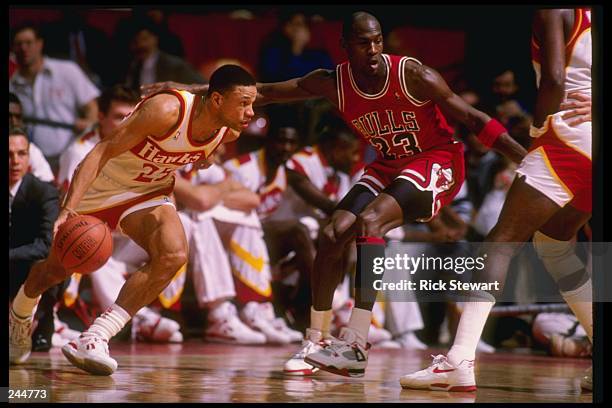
(33, 209)
(149, 64)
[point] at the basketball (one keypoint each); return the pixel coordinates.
(83, 244)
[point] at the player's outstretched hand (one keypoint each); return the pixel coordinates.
(579, 107)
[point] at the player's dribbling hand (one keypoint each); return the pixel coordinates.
(63, 216)
(579, 107)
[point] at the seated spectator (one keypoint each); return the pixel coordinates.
(33, 208)
(149, 64)
(58, 99)
(286, 54)
(39, 166)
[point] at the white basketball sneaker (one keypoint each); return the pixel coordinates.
(347, 355)
(224, 326)
(20, 340)
(313, 342)
(294, 335)
(90, 353)
(257, 317)
(153, 327)
(441, 375)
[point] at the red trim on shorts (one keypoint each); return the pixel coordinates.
(245, 294)
(111, 215)
(370, 240)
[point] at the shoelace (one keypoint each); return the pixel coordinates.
(306, 349)
(438, 359)
(94, 339)
(22, 333)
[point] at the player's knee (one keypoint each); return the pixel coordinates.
(560, 260)
(171, 261)
(370, 224)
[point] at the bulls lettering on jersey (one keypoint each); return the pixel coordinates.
(393, 121)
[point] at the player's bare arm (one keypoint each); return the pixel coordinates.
(320, 83)
(551, 88)
(425, 83)
(154, 117)
(309, 193)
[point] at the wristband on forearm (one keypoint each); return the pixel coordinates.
(489, 134)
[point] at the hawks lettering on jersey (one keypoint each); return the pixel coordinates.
(154, 159)
(393, 121)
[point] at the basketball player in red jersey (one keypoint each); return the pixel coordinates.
(398, 105)
(549, 200)
(125, 180)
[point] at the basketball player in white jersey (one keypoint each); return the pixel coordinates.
(125, 180)
(115, 104)
(550, 199)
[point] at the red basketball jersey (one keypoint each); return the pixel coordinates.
(393, 121)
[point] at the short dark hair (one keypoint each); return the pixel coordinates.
(333, 128)
(350, 19)
(118, 93)
(227, 77)
(14, 99)
(28, 25)
(17, 131)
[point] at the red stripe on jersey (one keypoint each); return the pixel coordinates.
(297, 167)
(245, 158)
(370, 240)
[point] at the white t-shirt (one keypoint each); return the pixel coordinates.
(72, 156)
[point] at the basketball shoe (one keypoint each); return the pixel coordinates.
(62, 333)
(312, 343)
(20, 341)
(90, 353)
(441, 375)
(259, 316)
(347, 355)
(294, 335)
(153, 327)
(224, 326)
(586, 382)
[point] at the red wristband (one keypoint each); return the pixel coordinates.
(489, 134)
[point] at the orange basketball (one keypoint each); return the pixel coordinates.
(83, 244)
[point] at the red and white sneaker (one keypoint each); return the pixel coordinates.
(441, 375)
(312, 343)
(90, 353)
(347, 355)
(153, 327)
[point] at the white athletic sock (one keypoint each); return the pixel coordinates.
(471, 324)
(23, 306)
(360, 322)
(578, 301)
(109, 323)
(320, 320)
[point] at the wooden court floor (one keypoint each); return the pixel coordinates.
(204, 372)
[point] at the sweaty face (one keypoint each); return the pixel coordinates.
(27, 48)
(15, 115)
(109, 121)
(365, 46)
(236, 108)
(19, 158)
(283, 144)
